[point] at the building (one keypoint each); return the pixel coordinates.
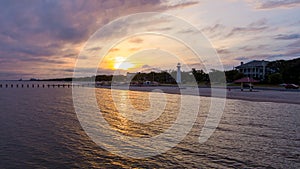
(255, 69)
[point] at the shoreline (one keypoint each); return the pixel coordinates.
(257, 95)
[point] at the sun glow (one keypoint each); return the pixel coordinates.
(121, 63)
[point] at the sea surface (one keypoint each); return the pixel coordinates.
(40, 129)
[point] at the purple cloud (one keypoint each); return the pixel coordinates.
(287, 37)
(48, 34)
(268, 4)
(246, 30)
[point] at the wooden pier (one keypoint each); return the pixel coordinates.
(35, 85)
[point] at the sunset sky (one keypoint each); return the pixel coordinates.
(43, 38)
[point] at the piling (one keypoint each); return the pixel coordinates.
(24, 85)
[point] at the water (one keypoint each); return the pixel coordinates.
(39, 129)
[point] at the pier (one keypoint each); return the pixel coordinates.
(45, 85)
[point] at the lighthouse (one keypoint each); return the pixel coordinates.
(178, 79)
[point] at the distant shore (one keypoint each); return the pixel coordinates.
(257, 95)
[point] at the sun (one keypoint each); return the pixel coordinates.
(121, 63)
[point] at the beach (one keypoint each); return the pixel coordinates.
(257, 95)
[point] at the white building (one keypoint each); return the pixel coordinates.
(254, 69)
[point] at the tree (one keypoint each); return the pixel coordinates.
(232, 75)
(217, 76)
(200, 75)
(289, 70)
(275, 78)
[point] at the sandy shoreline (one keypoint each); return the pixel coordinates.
(257, 95)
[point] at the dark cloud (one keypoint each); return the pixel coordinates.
(274, 57)
(287, 36)
(223, 51)
(14, 75)
(114, 50)
(295, 52)
(161, 29)
(94, 49)
(213, 29)
(288, 54)
(269, 4)
(241, 58)
(134, 49)
(87, 72)
(45, 31)
(294, 44)
(246, 30)
(106, 71)
(256, 57)
(220, 31)
(181, 4)
(42, 60)
(186, 31)
(70, 55)
(136, 40)
(64, 70)
(148, 68)
(19, 49)
(248, 48)
(254, 27)
(258, 23)
(271, 57)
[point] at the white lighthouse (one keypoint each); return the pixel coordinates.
(178, 79)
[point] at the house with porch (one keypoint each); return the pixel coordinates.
(255, 69)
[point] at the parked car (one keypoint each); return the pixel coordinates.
(291, 86)
(283, 84)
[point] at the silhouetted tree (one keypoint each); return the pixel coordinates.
(275, 78)
(232, 75)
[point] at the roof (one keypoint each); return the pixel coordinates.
(254, 63)
(246, 80)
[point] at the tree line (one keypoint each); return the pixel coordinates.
(286, 71)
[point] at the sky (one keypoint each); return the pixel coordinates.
(49, 38)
